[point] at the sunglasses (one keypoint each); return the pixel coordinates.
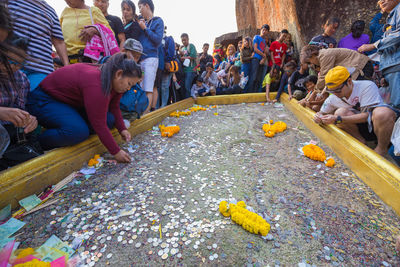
(337, 90)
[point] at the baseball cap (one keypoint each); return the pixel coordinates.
(134, 45)
(337, 76)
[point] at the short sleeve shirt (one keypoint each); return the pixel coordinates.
(365, 94)
(37, 21)
(191, 52)
(116, 25)
(297, 79)
(261, 45)
(132, 30)
(325, 39)
(278, 50)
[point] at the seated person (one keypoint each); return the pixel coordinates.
(233, 83)
(79, 99)
(210, 78)
(357, 108)
(295, 87)
(271, 81)
(14, 89)
(314, 99)
(289, 69)
(199, 88)
(326, 39)
(356, 38)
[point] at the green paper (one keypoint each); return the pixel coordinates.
(5, 213)
(10, 227)
(30, 202)
(4, 242)
(54, 248)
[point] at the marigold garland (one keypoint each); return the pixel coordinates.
(178, 114)
(272, 129)
(330, 163)
(195, 109)
(250, 221)
(94, 161)
(169, 131)
(314, 152)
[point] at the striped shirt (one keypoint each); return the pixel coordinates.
(36, 20)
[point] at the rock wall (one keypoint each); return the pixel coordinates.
(303, 18)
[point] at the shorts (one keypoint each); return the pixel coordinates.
(363, 129)
(149, 68)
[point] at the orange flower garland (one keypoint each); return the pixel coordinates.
(94, 161)
(330, 163)
(314, 152)
(272, 129)
(169, 131)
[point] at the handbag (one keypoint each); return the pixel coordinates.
(21, 148)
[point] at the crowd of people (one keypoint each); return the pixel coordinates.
(103, 64)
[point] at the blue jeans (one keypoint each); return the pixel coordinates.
(262, 71)
(165, 83)
(396, 158)
(65, 125)
(283, 85)
(189, 77)
(246, 68)
(35, 78)
(394, 87)
(250, 87)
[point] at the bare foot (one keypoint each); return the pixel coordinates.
(274, 101)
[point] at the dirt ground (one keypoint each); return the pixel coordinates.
(162, 209)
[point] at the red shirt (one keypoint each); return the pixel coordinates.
(79, 85)
(278, 50)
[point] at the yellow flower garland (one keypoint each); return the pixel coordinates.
(195, 109)
(272, 129)
(169, 131)
(314, 152)
(250, 221)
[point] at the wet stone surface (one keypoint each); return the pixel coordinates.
(162, 209)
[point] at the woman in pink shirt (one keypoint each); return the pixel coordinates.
(78, 99)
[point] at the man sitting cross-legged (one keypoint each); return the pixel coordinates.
(357, 108)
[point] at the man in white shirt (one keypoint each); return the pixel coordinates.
(357, 108)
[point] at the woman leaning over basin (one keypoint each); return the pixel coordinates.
(79, 99)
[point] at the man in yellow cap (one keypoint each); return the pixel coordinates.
(357, 108)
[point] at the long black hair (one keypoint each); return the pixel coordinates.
(131, 5)
(117, 62)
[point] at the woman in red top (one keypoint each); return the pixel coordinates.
(77, 99)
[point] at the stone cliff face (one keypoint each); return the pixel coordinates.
(303, 18)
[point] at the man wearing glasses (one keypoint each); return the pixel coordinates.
(357, 108)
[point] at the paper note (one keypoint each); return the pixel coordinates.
(4, 242)
(10, 227)
(54, 248)
(5, 213)
(30, 202)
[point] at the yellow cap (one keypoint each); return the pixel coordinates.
(336, 77)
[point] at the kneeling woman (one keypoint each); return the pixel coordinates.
(75, 99)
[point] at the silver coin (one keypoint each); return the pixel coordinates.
(109, 255)
(138, 245)
(160, 252)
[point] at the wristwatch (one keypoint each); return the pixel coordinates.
(338, 120)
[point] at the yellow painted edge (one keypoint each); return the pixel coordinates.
(34, 176)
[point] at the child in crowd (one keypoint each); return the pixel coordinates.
(245, 55)
(326, 39)
(278, 49)
(231, 56)
(290, 48)
(210, 78)
(199, 88)
(314, 99)
(272, 80)
(289, 69)
(233, 84)
(296, 88)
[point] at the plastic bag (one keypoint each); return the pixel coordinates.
(396, 138)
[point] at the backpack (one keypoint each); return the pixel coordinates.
(169, 52)
(135, 100)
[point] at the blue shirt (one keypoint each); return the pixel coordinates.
(151, 37)
(37, 21)
(261, 45)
